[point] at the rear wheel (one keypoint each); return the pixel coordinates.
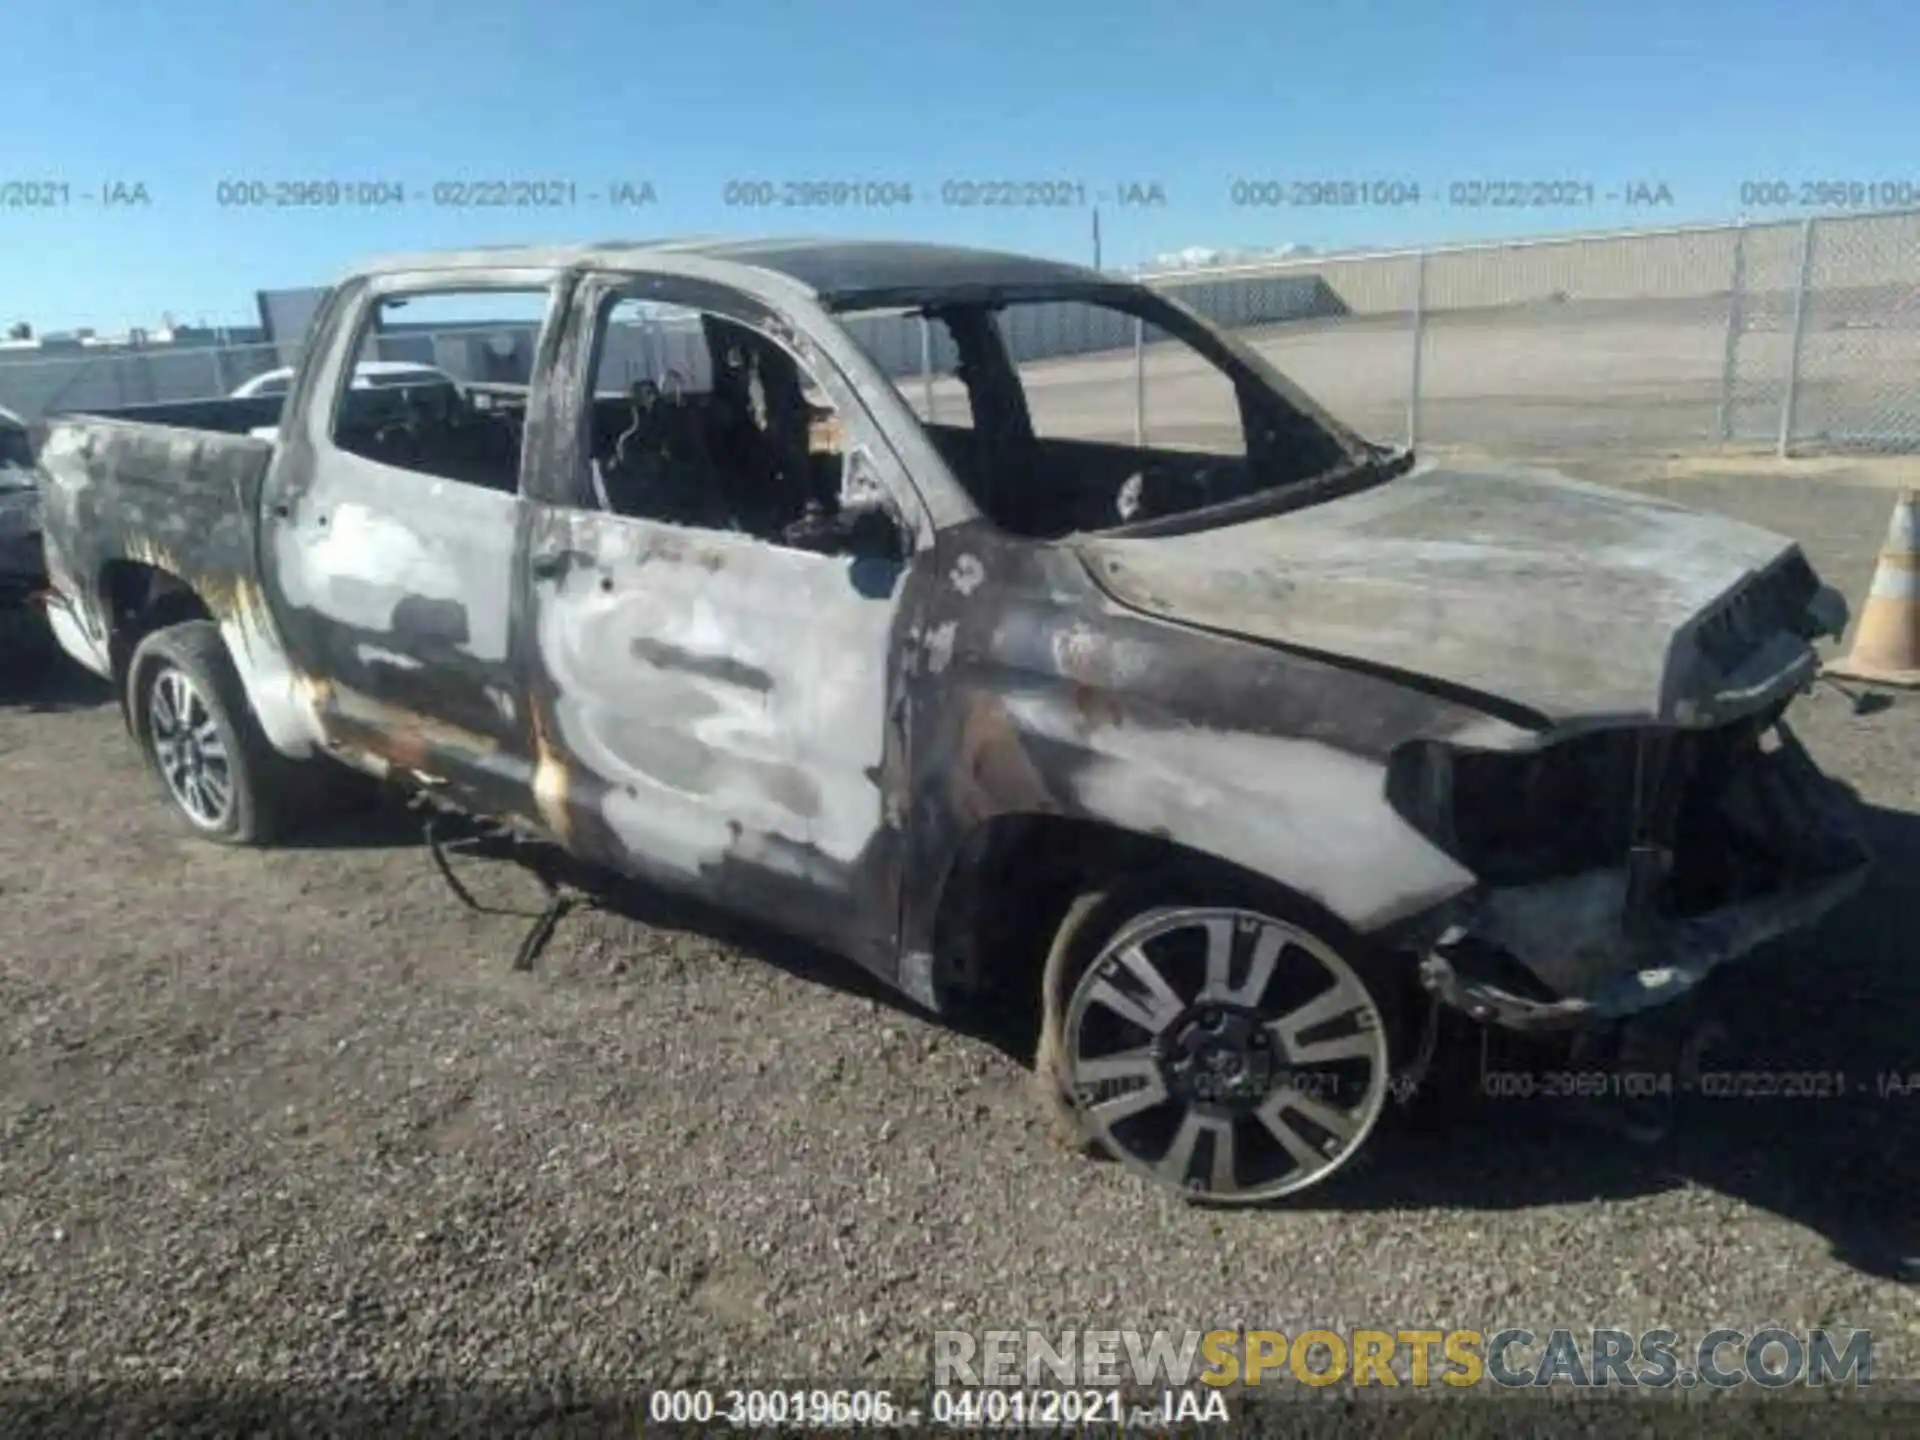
(1233, 1051)
(191, 718)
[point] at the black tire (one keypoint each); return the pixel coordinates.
(1098, 915)
(262, 784)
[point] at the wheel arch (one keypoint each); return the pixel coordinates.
(138, 598)
(135, 596)
(1013, 876)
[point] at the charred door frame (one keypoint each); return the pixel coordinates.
(843, 896)
(464, 724)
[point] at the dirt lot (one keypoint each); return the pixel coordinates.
(292, 1113)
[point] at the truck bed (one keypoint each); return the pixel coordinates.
(223, 415)
(124, 498)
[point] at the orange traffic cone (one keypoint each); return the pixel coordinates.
(1886, 643)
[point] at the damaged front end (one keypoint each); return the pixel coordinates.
(1619, 867)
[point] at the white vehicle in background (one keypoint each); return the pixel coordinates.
(367, 375)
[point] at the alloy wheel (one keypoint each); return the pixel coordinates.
(1225, 1053)
(189, 749)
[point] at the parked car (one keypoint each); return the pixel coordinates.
(1233, 748)
(23, 571)
(367, 375)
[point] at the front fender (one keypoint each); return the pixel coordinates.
(1306, 814)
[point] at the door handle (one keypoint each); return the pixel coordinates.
(549, 566)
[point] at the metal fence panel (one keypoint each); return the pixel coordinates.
(1858, 379)
(1760, 331)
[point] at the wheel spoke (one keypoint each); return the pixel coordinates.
(1152, 1012)
(1273, 1116)
(1341, 998)
(1337, 1123)
(1225, 1179)
(1135, 1064)
(207, 736)
(1357, 1046)
(1219, 958)
(1112, 1111)
(1178, 1160)
(1260, 968)
(213, 785)
(161, 712)
(1176, 1165)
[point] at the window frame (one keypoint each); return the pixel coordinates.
(325, 392)
(564, 476)
(1227, 350)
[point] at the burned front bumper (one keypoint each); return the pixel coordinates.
(1591, 948)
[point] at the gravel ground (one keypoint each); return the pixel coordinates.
(293, 1114)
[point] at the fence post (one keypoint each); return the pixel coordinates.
(926, 366)
(1736, 293)
(1139, 383)
(1419, 344)
(1790, 401)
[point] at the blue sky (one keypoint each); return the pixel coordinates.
(687, 96)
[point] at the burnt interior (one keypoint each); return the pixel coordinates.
(753, 449)
(472, 437)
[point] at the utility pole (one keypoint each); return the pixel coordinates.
(1096, 237)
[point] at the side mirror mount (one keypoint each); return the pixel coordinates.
(868, 508)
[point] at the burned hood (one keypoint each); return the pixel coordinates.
(1568, 600)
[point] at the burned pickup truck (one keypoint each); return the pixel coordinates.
(1132, 688)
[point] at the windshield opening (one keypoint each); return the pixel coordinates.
(1065, 416)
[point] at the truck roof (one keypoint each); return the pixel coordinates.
(841, 274)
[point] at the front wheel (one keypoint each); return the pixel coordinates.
(1220, 1050)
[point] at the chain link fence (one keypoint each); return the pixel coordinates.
(1803, 334)
(1854, 373)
